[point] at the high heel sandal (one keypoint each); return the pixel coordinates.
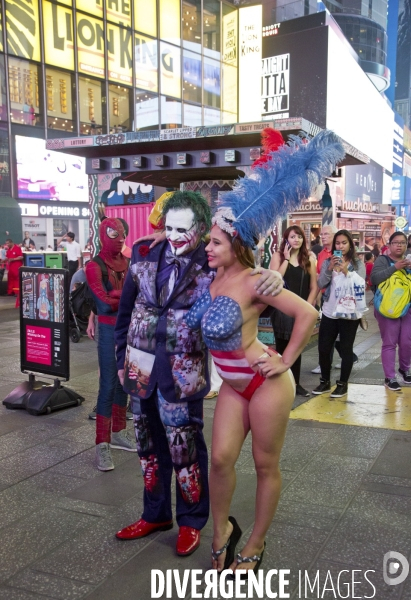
(258, 559)
(229, 546)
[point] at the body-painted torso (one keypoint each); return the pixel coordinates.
(221, 322)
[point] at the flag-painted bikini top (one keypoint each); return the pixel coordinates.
(220, 320)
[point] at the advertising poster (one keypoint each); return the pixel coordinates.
(249, 63)
(37, 230)
(44, 318)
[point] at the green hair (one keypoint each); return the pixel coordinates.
(195, 202)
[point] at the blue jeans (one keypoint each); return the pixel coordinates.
(170, 436)
(110, 389)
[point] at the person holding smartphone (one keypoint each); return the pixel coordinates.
(298, 269)
(394, 332)
(343, 260)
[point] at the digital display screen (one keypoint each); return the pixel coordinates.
(48, 175)
(44, 331)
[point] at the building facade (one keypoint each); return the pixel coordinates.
(99, 66)
(90, 67)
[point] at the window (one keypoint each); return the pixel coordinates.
(211, 28)
(212, 116)
(3, 103)
(170, 21)
(147, 113)
(60, 101)
(192, 115)
(212, 83)
(145, 16)
(119, 99)
(170, 70)
(25, 85)
(92, 106)
(191, 77)
(191, 25)
(146, 62)
(170, 113)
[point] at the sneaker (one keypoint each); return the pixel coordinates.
(93, 414)
(405, 377)
(392, 384)
(123, 440)
(103, 457)
(325, 386)
(300, 391)
(211, 394)
(129, 414)
(317, 370)
(340, 391)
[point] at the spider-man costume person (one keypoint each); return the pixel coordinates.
(112, 400)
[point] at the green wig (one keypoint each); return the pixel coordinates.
(195, 202)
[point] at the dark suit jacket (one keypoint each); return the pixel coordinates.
(154, 344)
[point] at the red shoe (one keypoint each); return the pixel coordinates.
(141, 528)
(188, 540)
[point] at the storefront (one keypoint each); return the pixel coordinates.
(309, 218)
(48, 222)
(368, 229)
(361, 209)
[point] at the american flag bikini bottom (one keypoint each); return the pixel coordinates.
(231, 364)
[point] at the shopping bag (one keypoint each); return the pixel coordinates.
(349, 299)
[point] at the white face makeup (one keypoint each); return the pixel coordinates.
(181, 232)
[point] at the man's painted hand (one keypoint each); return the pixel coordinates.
(269, 282)
(156, 237)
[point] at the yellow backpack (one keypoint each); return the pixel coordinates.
(393, 296)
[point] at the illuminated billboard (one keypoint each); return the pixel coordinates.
(46, 175)
(249, 63)
(294, 81)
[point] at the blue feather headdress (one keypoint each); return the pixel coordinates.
(292, 174)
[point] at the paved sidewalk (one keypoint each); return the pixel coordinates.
(346, 499)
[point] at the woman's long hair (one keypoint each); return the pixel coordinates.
(244, 254)
(303, 256)
(351, 254)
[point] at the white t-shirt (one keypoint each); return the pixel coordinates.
(73, 250)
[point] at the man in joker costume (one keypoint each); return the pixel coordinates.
(166, 374)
